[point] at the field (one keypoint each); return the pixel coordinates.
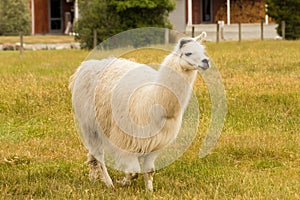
(256, 157)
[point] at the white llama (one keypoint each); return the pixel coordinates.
(132, 111)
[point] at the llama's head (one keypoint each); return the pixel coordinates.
(192, 53)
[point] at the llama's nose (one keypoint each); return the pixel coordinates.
(205, 64)
(206, 61)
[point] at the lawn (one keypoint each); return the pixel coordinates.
(256, 157)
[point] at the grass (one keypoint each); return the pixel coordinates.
(38, 39)
(256, 157)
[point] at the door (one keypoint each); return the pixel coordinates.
(206, 11)
(55, 16)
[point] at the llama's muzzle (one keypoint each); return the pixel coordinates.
(205, 64)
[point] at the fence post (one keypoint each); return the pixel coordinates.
(240, 32)
(218, 32)
(95, 38)
(167, 39)
(222, 29)
(193, 31)
(21, 43)
(283, 29)
(262, 30)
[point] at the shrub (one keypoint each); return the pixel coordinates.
(14, 17)
(111, 17)
(288, 11)
(96, 15)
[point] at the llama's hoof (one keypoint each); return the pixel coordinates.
(149, 186)
(109, 184)
(123, 181)
(93, 176)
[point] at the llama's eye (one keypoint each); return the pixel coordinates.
(188, 54)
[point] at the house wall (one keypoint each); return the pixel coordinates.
(196, 9)
(41, 16)
(177, 16)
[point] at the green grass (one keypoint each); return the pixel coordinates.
(256, 157)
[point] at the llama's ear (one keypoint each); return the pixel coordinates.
(183, 41)
(200, 37)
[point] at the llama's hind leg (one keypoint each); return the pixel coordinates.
(98, 168)
(92, 163)
(131, 166)
(127, 179)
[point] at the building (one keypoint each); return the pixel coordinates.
(57, 16)
(189, 12)
(52, 16)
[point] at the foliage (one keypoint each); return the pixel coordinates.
(111, 17)
(288, 11)
(243, 11)
(14, 17)
(96, 15)
(137, 14)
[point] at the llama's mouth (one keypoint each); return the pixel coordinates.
(203, 67)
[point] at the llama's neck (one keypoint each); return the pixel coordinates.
(174, 86)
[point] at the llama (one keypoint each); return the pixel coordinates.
(132, 111)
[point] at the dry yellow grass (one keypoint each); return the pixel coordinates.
(257, 156)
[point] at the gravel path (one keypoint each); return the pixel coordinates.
(59, 46)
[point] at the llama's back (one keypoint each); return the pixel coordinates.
(99, 76)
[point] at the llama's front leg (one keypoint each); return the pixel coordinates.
(148, 178)
(148, 169)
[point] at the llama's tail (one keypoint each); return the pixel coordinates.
(73, 78)
(71, 81)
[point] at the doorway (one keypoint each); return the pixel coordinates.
(206, 11)
(55, 16)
